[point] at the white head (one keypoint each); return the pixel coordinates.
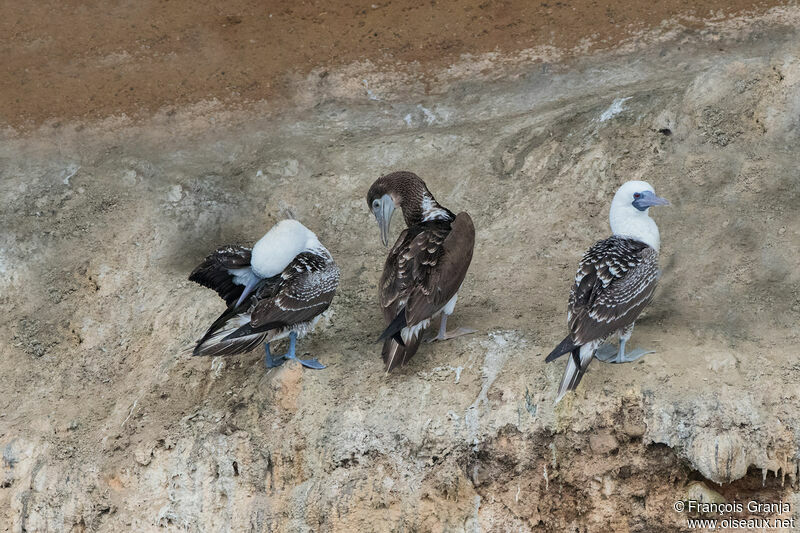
(275, 250)
(629, 214)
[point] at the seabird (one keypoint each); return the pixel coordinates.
(276, 289)
(616, 280)
(425, 267)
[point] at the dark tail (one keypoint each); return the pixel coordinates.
(574, 371)
(230, 334)
(566, 346)
(393, 330)
(395, 354)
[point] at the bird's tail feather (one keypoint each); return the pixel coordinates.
(564, 347)
(395, 354)
(576, 367)
(230, 334)
(394, 330)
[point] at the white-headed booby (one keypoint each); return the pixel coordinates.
(425, 267)
(277, 289)
(616, 280)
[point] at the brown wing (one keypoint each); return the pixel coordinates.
(423, 271)
(307, 288)
(215, 271)
(426, 267)
(395, 279)
(616, 280)
(442, 270)
(410, 263)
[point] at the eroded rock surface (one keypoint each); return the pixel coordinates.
(107, 425)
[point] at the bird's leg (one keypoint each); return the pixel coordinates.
(444, 335)
(269, 361)
(308, 363)
(631, 356)
(607, 354)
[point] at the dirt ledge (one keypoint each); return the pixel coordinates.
(106, 426)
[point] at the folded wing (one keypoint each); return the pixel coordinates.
(302, 291)
(307, 288)
(441, 274)
(616, 280)
(423, 271)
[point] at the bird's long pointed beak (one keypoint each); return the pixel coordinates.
(649, 199)
(248, 288)
(383, 214)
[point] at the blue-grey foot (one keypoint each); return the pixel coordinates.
(271, 362)
(606, 352)
(621, 356)
(444, 335)
(632, 356)
(308, 363)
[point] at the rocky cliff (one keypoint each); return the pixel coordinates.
(107, 425)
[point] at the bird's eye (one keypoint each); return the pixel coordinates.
(376, 204)
(637, 195)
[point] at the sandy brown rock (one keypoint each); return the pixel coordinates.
(62, 62)
(103, 222)
(603, 441)
(287, 385)
(700, 492)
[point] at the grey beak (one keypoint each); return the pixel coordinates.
(657, 200)
(649, 199)
(383, 214)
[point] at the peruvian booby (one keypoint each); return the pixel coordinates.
(425, 267)
(615, 281)
(277, 289)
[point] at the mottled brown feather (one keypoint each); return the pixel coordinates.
(616, 280)
(423, 271)
(307, 289)
(214, 273)
(446, 268)
(302, 291)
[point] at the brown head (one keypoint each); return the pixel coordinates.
(407, 191)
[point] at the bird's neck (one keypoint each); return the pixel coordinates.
(315, 247)
(312, 244)
(273, 252)
(424, 208)
(627, 221)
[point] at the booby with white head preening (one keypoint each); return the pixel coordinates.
(277, 289)
(425, 267)
(616, 280)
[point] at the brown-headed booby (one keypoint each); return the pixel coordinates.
(277, 289)
(425, 267)
(616, 280)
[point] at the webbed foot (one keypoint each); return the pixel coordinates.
(272, 362)
(606, 354)
(632, 356)
(308, 363)
(444, 335)
(447, 335)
